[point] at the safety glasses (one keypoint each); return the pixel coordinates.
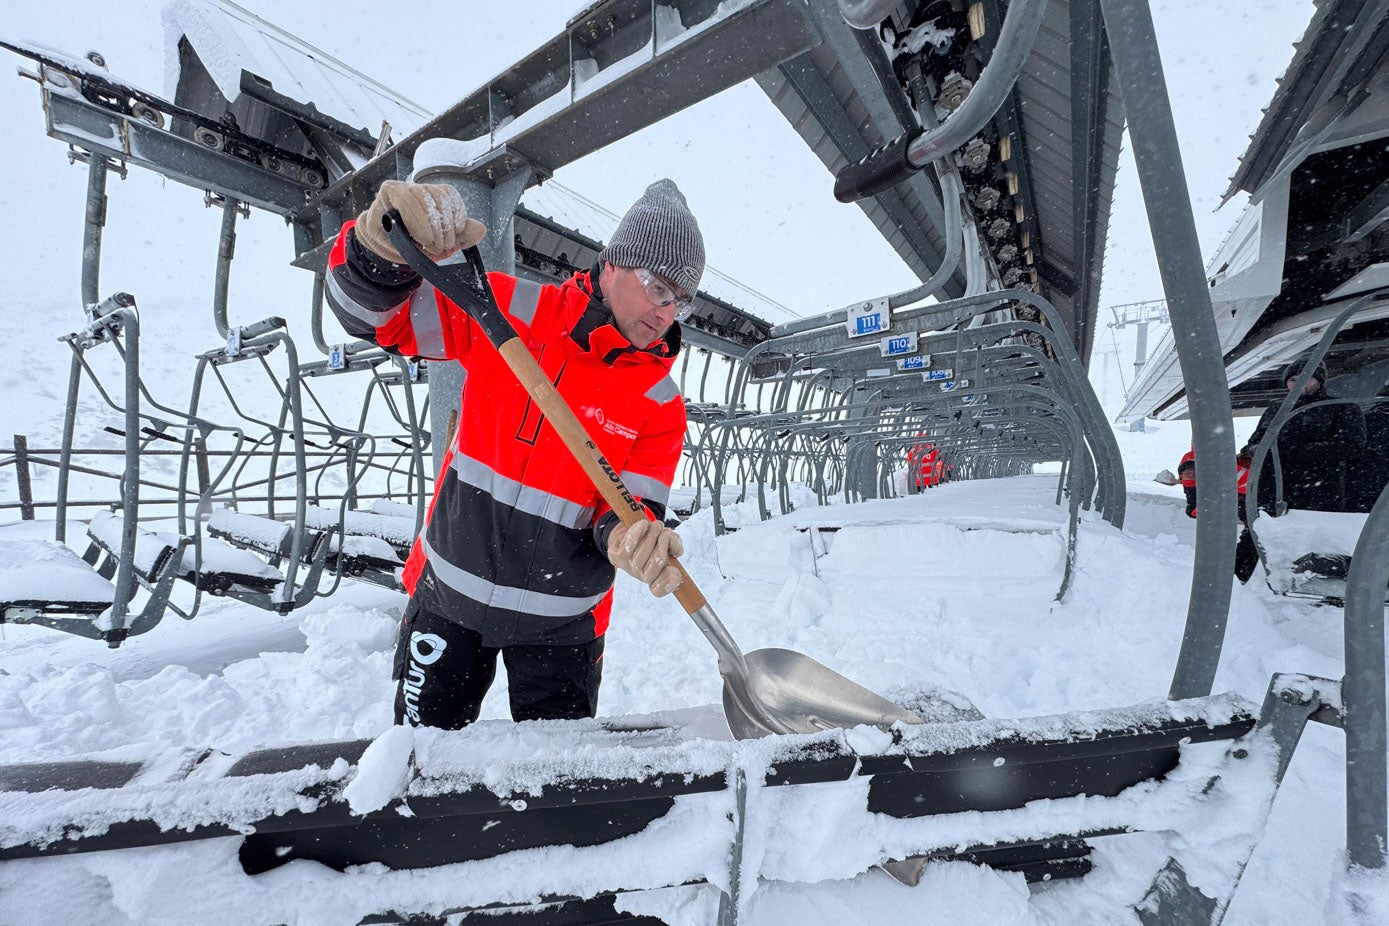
(662, 294)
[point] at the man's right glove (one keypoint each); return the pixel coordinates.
(433, 213)
(643, 551)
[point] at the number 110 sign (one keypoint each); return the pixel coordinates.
(898, 345)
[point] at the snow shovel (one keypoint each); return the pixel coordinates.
(765, 691)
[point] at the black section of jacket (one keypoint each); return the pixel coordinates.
(1315, 447)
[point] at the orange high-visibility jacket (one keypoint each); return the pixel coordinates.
(1186, 469)
(513, 546)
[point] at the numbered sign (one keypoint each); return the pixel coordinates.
(336, 357)
(898, 344)
(870, 317)
(935, 376)
(913, 363)
(413, 370)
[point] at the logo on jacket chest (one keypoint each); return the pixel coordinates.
(615, 428)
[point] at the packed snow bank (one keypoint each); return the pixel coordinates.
(1298, 532)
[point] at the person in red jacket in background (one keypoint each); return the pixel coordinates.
(518, 554)
(1246, 554)
(924, 466)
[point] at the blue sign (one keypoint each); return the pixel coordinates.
(868, 324)
(912, 363)
(335, 357)
(869, 317)
(932, 376)
(897, 345)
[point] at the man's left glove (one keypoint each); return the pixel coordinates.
(433, 213)
(643, 551)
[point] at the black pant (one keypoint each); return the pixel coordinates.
(1246, 554)
(443, 671)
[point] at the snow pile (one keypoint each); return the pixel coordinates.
(1297, 533)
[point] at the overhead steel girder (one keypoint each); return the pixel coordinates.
(1063, 116)
(616, 69)
(1000, 365)
(839, 87)
(968, 347)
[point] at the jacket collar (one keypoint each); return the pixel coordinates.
(596, 329)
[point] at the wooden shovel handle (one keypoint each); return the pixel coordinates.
(589, 457)
(466, 284)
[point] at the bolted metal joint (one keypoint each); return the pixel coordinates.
(1291, 695)
(953, 91)
(975, 155)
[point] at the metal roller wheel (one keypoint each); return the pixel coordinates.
(147, 114)
(208, 138)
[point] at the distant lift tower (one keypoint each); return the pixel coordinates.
(1141, 314)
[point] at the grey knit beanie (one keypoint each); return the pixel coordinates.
(1297, 366)
(661, 235)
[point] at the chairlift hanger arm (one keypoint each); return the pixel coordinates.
(115, 96)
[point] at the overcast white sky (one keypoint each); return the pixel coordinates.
(764, 201)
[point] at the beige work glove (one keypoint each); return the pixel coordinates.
(433, 213)
(643, 551)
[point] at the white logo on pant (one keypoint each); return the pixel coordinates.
(425, 650)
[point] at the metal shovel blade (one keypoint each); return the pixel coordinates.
(784, 691)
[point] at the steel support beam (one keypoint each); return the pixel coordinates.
(1138, 67)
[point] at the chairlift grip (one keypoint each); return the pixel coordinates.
(112, 303)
